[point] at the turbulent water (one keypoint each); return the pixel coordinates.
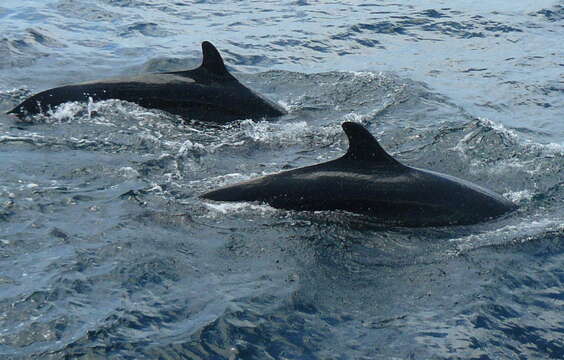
(106, 252)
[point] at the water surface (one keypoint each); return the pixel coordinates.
(106, 251)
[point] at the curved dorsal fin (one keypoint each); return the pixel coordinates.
(363, 146)
(212, 60)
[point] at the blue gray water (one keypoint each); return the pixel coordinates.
(107, 253)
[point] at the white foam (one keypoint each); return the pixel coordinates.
(128, 172)
(369, 75)
(285, 105)
(231, 178)
(462, 144)
(500, 167)
(217, 209)
(266, 132)
(497, 127)
(522, 232)
(556, 148)
(354, 117)
(65, 111)
(155, 187)
(188, 146)
(90, 107)
(519, 196)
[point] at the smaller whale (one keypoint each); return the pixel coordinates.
(207, 93)
(367, 180)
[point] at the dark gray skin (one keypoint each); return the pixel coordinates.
(208, 93)
(369, 181)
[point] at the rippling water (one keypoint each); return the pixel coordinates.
(106, 251)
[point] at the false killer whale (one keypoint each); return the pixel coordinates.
(207, 93)
(369, 181)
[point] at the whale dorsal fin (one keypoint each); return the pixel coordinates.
(363, 146)
(212, 60)
(212, 67)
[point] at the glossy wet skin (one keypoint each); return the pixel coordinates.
(208, 93)
(375, 185)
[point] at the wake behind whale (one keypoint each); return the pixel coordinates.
(369, 181)
(207, 93)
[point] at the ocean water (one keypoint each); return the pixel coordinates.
(106, 252)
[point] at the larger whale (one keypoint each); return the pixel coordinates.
(369, 181)
(207, 93)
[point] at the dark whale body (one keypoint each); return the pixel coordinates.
(208, 93)
(369, 181)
